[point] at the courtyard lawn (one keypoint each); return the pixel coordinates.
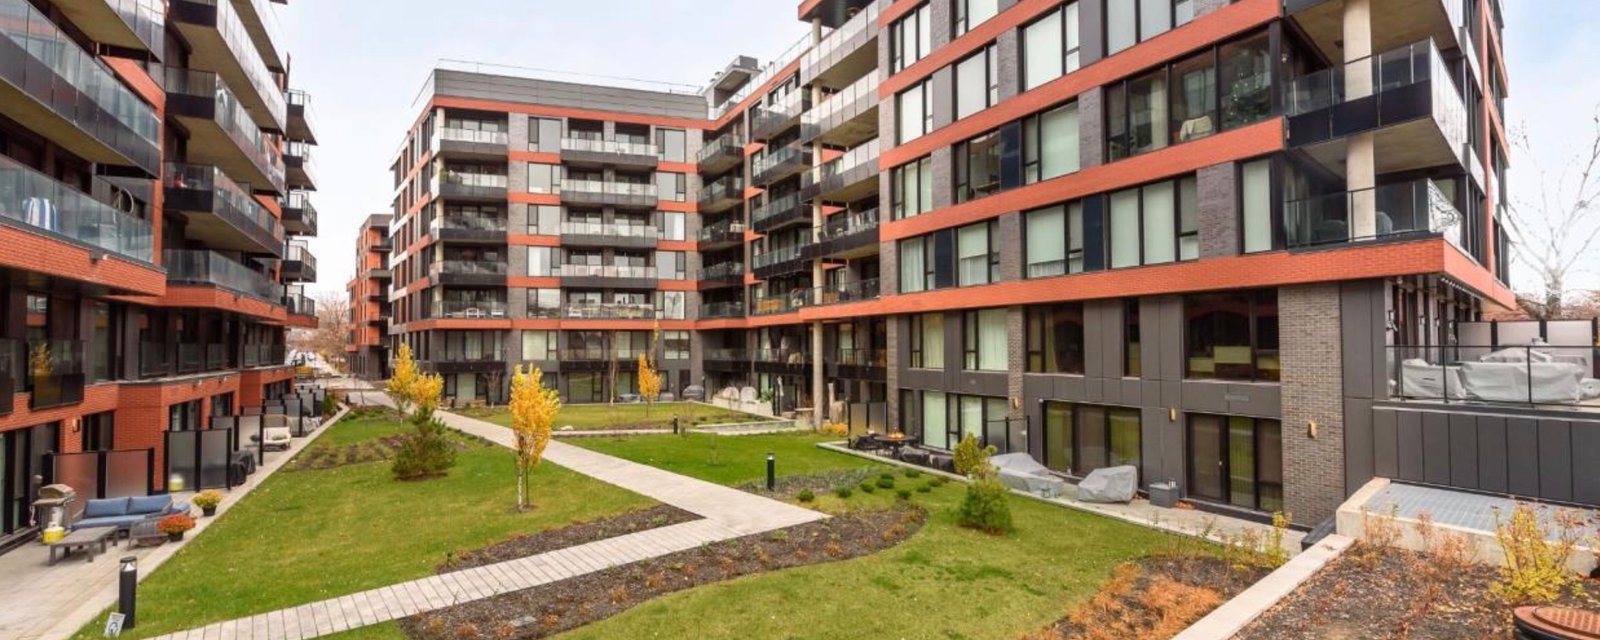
(593, 417)
(727, 460)
(309, 535)
(945, 582)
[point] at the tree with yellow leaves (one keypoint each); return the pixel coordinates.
(533, 413)
(402, 383)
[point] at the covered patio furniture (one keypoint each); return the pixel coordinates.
(1020, 471)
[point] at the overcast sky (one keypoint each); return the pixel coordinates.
(364, 61)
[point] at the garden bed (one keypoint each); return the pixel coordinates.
(1154, 598)
(1373, 592)
(626, 416)
(522, 545)
(553, 608)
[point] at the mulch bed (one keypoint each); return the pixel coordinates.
(1389, 597)
(553, 608)
(319, 457)
(819, 483)
(1153, 597)
(522, 546)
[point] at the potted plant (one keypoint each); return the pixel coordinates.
(207, 501)
(175, 525)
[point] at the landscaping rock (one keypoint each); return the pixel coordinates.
(1111, 485)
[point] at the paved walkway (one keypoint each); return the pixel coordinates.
(728, 513)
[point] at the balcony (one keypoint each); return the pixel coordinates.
(468, 273)
(586, 152)
(726, 274)
(729, 309)
(51, 86)
(783, 360)
(470, 309)
(264, 355)
(609, 311)
(262, 24)
(845, 52)
(1405, 95)
(221, 132)
(1404, 211)
(858, 364)
(849, 177)
(781, 261)
(469, 229)
(381, 274)
(846, 118)
(722, 194)
(721, 154)
(299, 172)
(383, 246)
(468, 358)
(299, 216)
(604, 192)
(32, 201)
(857, 291)
(601, 234)
(302, 127)
(299, 304)
(848, 235)
(608, 276)
(1441, 20)
(221, 213)
(763, 304)
(53, 373)
(781, 212)
(453, 184)
(724, 359)
(471, 144)
(211, 269)
(221, 43)
(777, 115)
(133, 25)
(298, 263)
(600, 358)
(776, 164)
(721, 235)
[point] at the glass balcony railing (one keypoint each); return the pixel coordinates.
(467, 353)
(41, 61)
(472, 309)
(767, 72)
(607, 271)
(722, 231)
(724, 144)
(473, 135)
(301, 201)
(722, 270)
(302, 100)
(727, 355)
(862, 155)
(229, 200)
(470, 223)
(466, 179)
(865, 88)
(603, 353)
(762, 304)
(724, 188)
(848, 34)
(784, 356)
(53, 372)
(620, 147)
(299, 252)
(610, 311)
(231, 116)
(1416, 207)
(728, 309)
(606, 187)
(147, 19)
(848, 224)
(776, 158)
(778, 256)
(848, 292)
(468, 268)
(237, 38)
(776, 207)
(1382, 73)
(34, 200)
(264, 355)
(300, 304)
(196, 267)
(610, 230)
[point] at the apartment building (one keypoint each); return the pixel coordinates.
(154, 172)
(367, 353)
(1225, 242)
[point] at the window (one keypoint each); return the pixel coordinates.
(1255, 205)
(1050, 143)
(911, 187)
(916, 273)
(1080, 438)
(1194, 98)
(914, 112)
(675, 345)
(539, 345)
(1132, 355)
(544, 219)
(672, 226)
(977, 261)
(670, 265)
(544, 134)
(927, 341)
(1129, 22)
(1050, 46)
(935, 420)
(1055, 338)
(671, 186)
(1156, 223)
(977, 82)
(910, 38)
(1053, 239)
(99, 432)
(1236, 460)
(544, 303)
(1245, 76)
(978, 167)
(971, 13)
(540, 261)
(672, 304)
(1232, 336)
(983, 345)
(544, 178)
(1217, 90)
(963, 256)
(1137, 115)
(671, 145)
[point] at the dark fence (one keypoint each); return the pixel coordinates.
(103, 474)
(1542, 455)
(200, 460)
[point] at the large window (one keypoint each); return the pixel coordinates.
(672, 226)
(1219, 89)
(911, 187)
(1050, 46)
(977, 257)
(1236, 460)
(910, 38)
(935, 421)
(916, 271)
(971, 13)
(963, 256)
(675, 345)
(1053, 240)
(1255, 205)
(1129, 22)
(1055, 338)
(1080, 438)
(1136, 115)
(1050, 143)
(977, 82)
(1246, 81)
(983, 344)
(1156, 223)
(927, 341)
(544, 135)
(1232, 336)
(544, 178)
(947, 418)
(914, 112)
(539, 345)
(544, 303)
(671, 186)
(544, 219)
(978, 167)
(671, 265)
(541, 261)
(671, 145)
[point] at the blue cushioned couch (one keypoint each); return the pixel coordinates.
(123, 513)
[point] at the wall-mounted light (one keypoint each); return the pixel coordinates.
(1311, 429)
(1172, 415)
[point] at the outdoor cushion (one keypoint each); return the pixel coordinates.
(106, 508)
(144, 505)
(109, 521)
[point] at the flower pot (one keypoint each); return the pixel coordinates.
(175, 536)
(208, 511)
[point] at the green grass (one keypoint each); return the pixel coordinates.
(310, 535)
(588, 417)
(945, 582)
(728, 460)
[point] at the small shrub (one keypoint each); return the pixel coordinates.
(885, 482)
(866, 487)
(208, 499)
(467, 631)
(969, 457)
(618, 595)
(806, 495)
(1275, 555)
(655, 580)
(842, 492)
(839, 429)
(834, 550)
(939, 481)
(425, 454)
(985, 506)
(175, 524)
(1536, 555)
(924, 488)
(550, 620)
(913, 473)
(903, 494)
(886, 476)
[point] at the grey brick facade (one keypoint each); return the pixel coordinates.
(1313, 390)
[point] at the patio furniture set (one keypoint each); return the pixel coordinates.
(105, 520)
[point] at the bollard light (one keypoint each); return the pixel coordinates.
(772, 468)
(128, 588)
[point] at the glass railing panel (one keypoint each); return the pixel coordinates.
(469, 267)
(465, 179)
(237, 38)
(859, 156)
(723, 144)
(197, 267)
(849, 223)
(469, 309)
(1416, 207)
(147, 19)
(229, 198)
(474, 135)
(847, 33)
(609, 146)
(33, 199)
(766, 73)
(865, 88)
(848, 292)
(722, 270)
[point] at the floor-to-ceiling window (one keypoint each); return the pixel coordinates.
(1236, 460)
(1080, 438)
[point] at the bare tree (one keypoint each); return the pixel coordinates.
(333, 329)
(1557, 227)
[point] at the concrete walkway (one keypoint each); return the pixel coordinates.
(728, 513)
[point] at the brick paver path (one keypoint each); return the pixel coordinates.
(728, 513)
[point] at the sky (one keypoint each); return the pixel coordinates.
(364, 62)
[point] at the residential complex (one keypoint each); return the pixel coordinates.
(154, 173)
(367, 355)
(1234, 244)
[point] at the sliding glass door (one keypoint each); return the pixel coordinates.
(1080, 438)
(1236, 460)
